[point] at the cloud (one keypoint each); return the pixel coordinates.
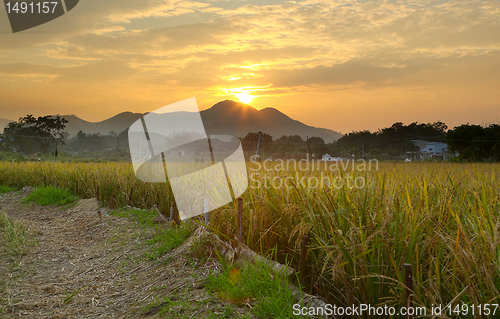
(25, 69)
(104, 71)
(101, 72)
(168, 48)
(93, 16)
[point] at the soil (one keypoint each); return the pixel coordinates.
(85, 263)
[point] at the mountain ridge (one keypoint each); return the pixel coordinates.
(268, 120)
(225, 118)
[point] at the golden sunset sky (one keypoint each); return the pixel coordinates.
(343, 65)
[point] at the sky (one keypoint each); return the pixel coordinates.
(342, 65)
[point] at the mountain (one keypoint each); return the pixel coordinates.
(226, 117)
(117, 124)
(233, 118)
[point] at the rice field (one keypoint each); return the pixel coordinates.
(442, 218)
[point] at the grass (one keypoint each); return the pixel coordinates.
(71, 295)
(165, 241)
(443, 218)
(114, 184)
(45, 196)
(6, 189)
(165, 238)
(253, 284)
(14, 242)
(227, 313)
(14, 238)
(143, 217)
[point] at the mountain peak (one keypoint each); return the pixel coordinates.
(236, 118)
(230, 104)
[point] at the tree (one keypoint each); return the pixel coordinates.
(30, 134)
(475, 143)
(395, 140)
(292, 139)
(250, 141)
(316, 140)
(81, 135)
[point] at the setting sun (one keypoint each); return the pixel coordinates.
(244, 97)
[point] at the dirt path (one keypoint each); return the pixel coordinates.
(79, 265)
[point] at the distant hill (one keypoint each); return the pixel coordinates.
(225, 117)
(117, 124)
(229, 117)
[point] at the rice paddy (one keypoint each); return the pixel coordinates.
(442, 218)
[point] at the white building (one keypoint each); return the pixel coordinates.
(329, 158)
(435, 148)
(432, 150)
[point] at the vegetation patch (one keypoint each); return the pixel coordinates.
(11, 157)
(6, 189)
(13, 236)
(165, 238)
(13, 243)
(143, 217)
(253, 284)
(227, 313)
(45, 196)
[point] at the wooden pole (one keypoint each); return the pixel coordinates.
(240, 217)
(303, 256)
(409, 287)
(174, 213)
(172, 204)
(45, 181)
(130, 196)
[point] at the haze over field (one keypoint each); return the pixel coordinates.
(342, 65)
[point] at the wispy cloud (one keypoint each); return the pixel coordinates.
(313, 49)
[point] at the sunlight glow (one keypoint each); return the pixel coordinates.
(244, 97)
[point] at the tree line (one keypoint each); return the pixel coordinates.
(471, 142)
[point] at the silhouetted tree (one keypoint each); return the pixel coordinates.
(316, 140)
(80, 135)
(249, 142)
(31, 134)
(475, 143)
(391, 141)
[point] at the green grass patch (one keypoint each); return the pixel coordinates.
(169, 307)
(11, 157)
(227, 313)
(165, 238)
(254, 284)
(45, 196)
(144, 217)
(13, 236)
(6, 189)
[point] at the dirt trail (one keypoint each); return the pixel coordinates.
(82, 266)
